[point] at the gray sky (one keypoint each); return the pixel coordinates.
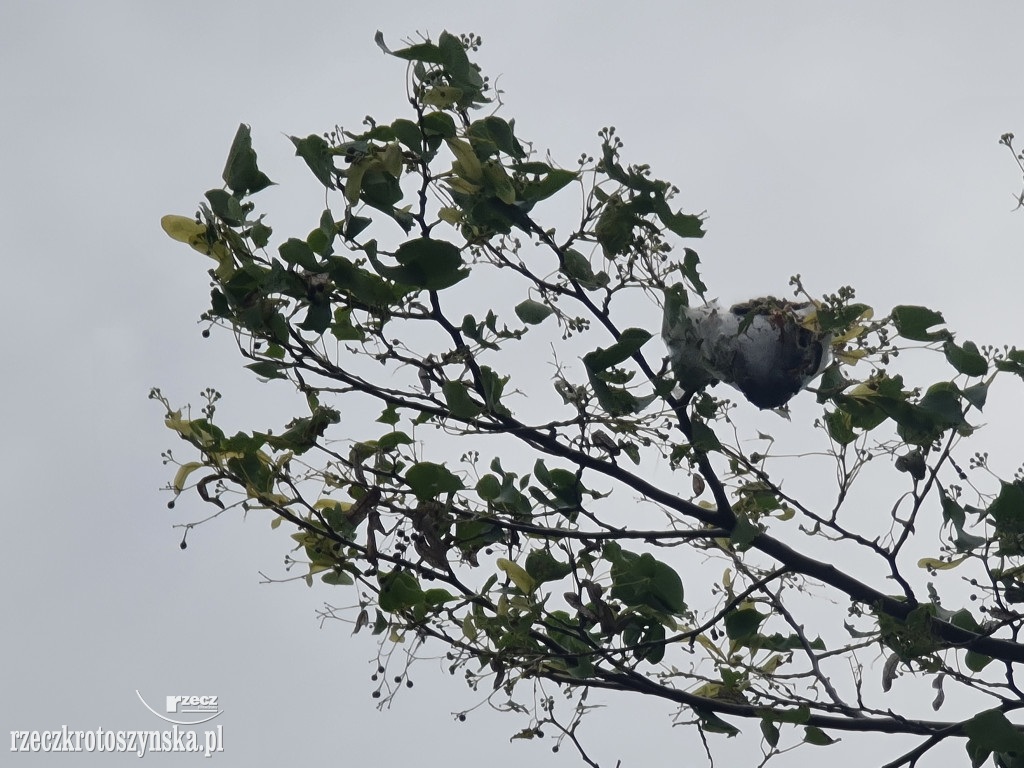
(854, 144)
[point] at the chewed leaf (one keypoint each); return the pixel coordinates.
(914, 323)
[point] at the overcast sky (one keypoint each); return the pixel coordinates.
(854, 143)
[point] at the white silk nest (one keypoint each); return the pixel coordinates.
(766, 348)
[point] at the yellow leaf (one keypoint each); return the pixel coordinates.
(810, 320)
(463, 187)
(186, 230)
(182, 426)
(852, 333)
(469, 628)
(354, 182)
(939, 565)
(708, 691)
(466, 160)
(450, 215)
(267, 499)
(864, 389)
(850, 356)
(343, 506)
(392, 159)
(519, 577)
(182, 474)
(856, 329)
(442, 96)
(191, 232)
(503, 188)
(520, 603)
(709, 645)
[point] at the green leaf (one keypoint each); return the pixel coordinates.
(977, 661)
(630, 341)
(399, 591)
(532, 312)
(318, 317)
(913, 323)
(682, 224)
(437, 596)
(553, 180)
(461, 405)
(302, 434)
(488, 487)
(741, 625)
(704, 438)
(743, 533)
(342, 328)
(392, 440)
(542, 566)
(641, 580)
(499, 133)
(839, 425)
(428, 480)
(577, 267)
(337, 577)
(259, 233)
(493, 387)
(1012, 362)
(816, 736)
(966, 359)
(990, 730)
(942, 403)
(225, 206)
(954, 514)
(614, 228)
(563, 484)
(317, 154)
(690, 263)
(408, 134)
(240, 172)
(266, 370)
(439, 124)
(295, 251)
(977, 395)
(713, 723)
(389, 416)
(425, 263)
(428, 53)
(1007, 511)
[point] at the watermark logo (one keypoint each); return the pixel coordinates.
(192, 710)
(186, 710)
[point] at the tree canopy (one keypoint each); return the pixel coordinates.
(496, 457)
